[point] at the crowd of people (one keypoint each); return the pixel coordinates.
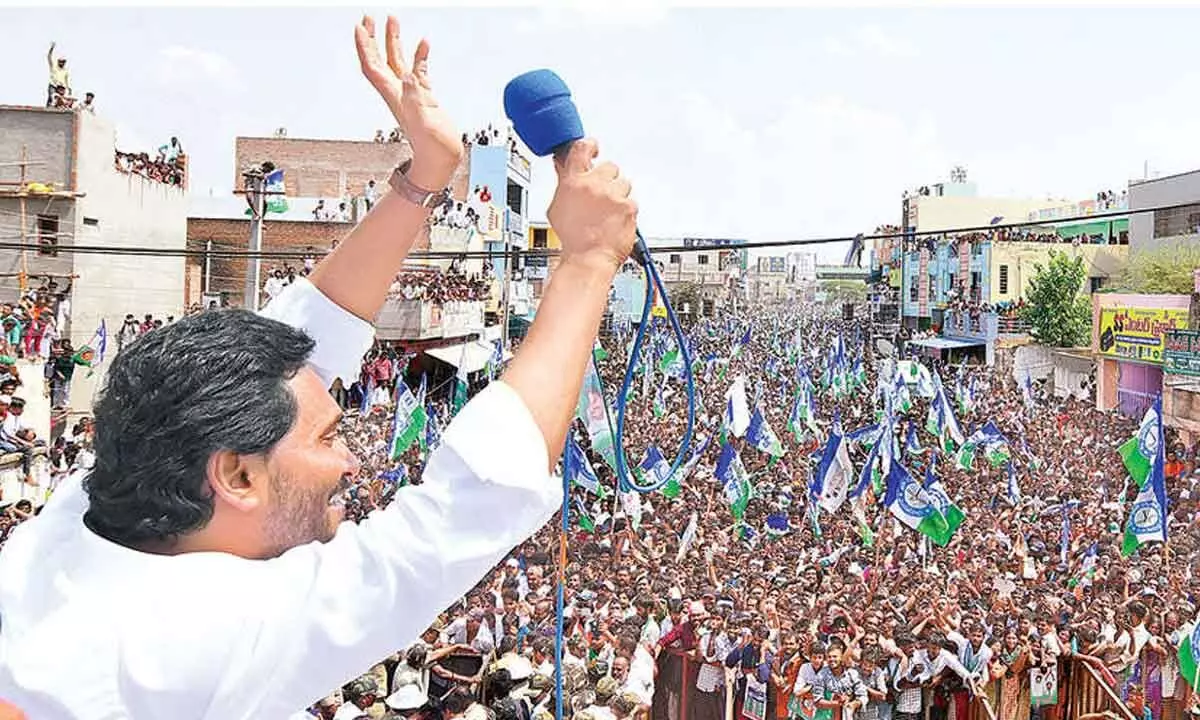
(807, 614)
(166, 166)
(441, 287)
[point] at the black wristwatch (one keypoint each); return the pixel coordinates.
(412, 192)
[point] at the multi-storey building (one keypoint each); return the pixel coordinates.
(71, 199)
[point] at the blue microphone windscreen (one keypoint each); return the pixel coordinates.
(541, 110)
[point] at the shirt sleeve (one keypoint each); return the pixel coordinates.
(324, 612)
(341, 337)
(859, 688)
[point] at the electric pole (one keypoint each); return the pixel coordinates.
(254, 196)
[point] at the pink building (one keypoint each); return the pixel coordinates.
(1127, 341)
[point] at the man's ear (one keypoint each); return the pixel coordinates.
(239, 481)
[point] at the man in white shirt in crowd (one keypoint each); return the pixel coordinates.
(16, 435)
(201, 570)
(275, 284)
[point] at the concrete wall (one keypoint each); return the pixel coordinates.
(945, 213)
(130, 210)
(48, 140)
(1181, 188)
(1021, 259)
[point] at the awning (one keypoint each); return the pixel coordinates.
(472, 356)
(941, 343)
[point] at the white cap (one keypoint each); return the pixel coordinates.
(408, 697)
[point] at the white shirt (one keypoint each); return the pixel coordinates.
(217, 637)
(640, 680)
(274, 286)
(12, 425)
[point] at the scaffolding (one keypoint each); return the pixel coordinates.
(23, 190)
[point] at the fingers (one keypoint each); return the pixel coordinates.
(420, 65)
(368, 51)
(371, 63)
(395, 55)
(578, 159)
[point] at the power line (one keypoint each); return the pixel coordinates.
(7, 244)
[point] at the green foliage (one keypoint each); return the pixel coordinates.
(1057, 312)
(1166, 269)
(844, 290)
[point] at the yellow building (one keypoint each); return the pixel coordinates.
(538, 268)
(1012, 265)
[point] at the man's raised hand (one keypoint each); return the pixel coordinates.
(592, 210)
(405, 87)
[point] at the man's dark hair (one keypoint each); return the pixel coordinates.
(212, 381)
(457, 702)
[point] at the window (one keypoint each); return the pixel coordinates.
(933, 286)
(47, 235)
(913, 295)
(1003, 279)
(516, 197)
(1096, 284)
(674, 259)
(702, 259)
(539, 238)
(91, 222)
(1177, 221)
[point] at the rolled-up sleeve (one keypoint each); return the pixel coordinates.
(342, 338)
(329, 611)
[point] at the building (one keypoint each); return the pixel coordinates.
(64, 184)
(1163, 227)
(539, 267)
(769, 281)
(1129, 335)
(1181, 373)
(969, 285)
(802, 267)
(712, 267)
(327, 190)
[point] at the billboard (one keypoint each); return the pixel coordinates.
(1181, 352)
(1138, 333)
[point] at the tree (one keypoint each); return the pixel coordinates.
(686, 294)
(844, 291)
(1057, 312)
(1164, 269)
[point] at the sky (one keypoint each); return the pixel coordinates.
(759, 124)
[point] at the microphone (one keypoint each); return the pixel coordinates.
(544, 116)
(541, 110)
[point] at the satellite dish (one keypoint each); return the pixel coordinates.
(885, 348)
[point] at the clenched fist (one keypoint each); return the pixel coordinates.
(592, 211)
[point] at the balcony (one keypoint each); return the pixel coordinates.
(419, 319)
(981, 326)
(519, 165)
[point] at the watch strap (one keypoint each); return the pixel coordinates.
(412, 192)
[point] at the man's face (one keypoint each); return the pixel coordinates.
(620, 669)
(306, 471)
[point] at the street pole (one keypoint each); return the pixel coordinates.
(509, 269)
(207, 266)
(254, 192)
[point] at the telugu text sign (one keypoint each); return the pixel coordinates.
(1181, 352)
(1137, 333)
